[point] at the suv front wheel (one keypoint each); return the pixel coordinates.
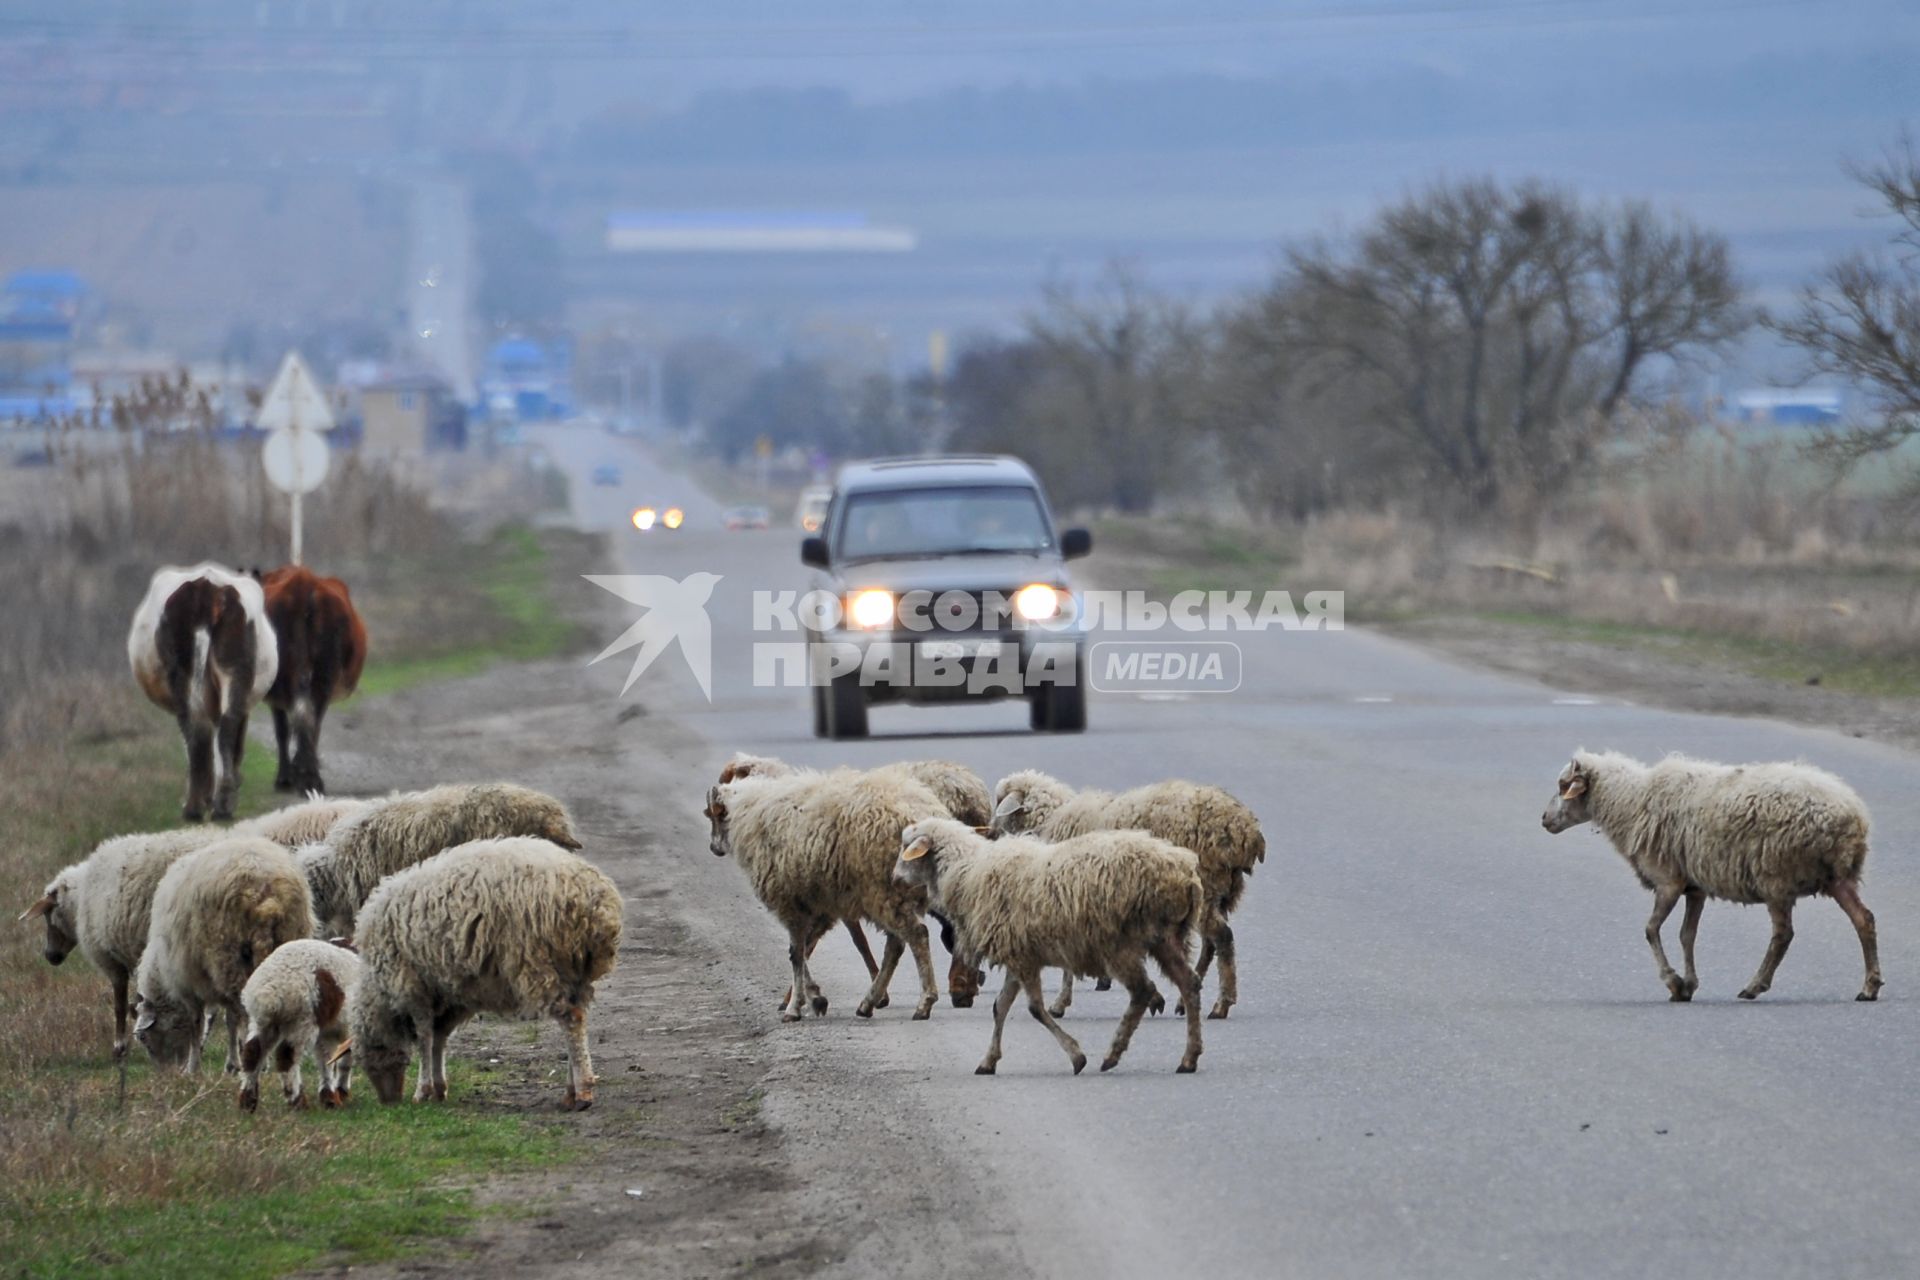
(1059, 708)
(846, 707)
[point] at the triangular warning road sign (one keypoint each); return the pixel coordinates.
(294, 401)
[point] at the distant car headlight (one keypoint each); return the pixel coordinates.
(644, 518)
(871, 608)
(673, 517)
(810, 524)
(1037, 602)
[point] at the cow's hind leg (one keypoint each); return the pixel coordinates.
(283, 772)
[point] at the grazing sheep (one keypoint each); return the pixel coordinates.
(514, 926)
(1098, 903)
(103, 906)
(301, 824)
(202, 649)
(1753, 833)
(398, 832)
(819, 848)
(218, 912)
(296, 1003)
(962, 796)
(1221, 832)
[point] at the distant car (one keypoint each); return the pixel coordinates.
(813, 508)
(735, 518)
(647, 519)
(951, 564)
(606, 474)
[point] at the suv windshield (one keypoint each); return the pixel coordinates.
(890, 524)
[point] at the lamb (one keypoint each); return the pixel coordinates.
(514, 926)
(103, 905)
(296, 1003)
(962, 795)
(393, 834)
(1097, 903)
(819, 848)
(1753, 833)
(218, 912)
(1222, 832)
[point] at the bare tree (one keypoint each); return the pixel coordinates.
(1860, 319)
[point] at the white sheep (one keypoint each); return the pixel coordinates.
(296, 1003)
(217, 913)
(395, 833)
(1753, 833)
(962, 795)
(819, 848)
(1092, 904)
(304, 823)
(515, 926)
(103, 906)
(1221, 831)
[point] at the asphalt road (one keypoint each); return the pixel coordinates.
(1451, 1054)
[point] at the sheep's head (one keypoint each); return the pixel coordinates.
(56, 906)
(382, 1036)
(166, 1029)
(1570, 805)
(922, 846)
(526, 812)
(745, 766)
(1024, 800)
(720, 840)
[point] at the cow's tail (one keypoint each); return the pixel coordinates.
(197, 673)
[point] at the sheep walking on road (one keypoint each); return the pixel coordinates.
(1099, 903)
(819, 848)
(1755, 833)
(1219, 830)
(296, 1003)
(514, 926)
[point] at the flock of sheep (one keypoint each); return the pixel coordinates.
(368, 931)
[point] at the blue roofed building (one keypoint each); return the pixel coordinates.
(39, 313)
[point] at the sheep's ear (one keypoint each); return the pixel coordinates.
(345, 944)
(916, 850)
(733, 770)
(983, 831)
(39, 908)
(346, 1047)
(1011, 803)
(1576, 786)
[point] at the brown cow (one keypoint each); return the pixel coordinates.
(201, 647)
(323, 645)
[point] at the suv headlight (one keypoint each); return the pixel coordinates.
(1037, 602)
(870, 609)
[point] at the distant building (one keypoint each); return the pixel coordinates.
(39, 311)
(1799, 406)
(738, 231)
(527, 381)
(405, 415)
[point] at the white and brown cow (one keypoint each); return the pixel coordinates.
(202, 648)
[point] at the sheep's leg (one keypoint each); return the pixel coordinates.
(573, 1021)
(858, 933)
(1133, 975)
(424, 1038)
(120, 980)
(252, 1054)
(1222, 943)
(1782, 913)
(1200, 970)
(1171, 955)
(199, 1013)
(923, 961)
(234, 1019)
(325, 1044)
(817, 930)
(1664, 899)
(287, 1062)
(1063, 1001)
(1001, 1004)
(1847, 894)
(889, 961)
(443, 1028)
(1037, 1006)
(1689, 929)
(797, 938)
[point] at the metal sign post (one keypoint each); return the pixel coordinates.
(295, 454)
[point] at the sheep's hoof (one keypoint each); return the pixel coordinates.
(1868, 997)
(298, 1102)
(119, 1050)
(864, 1009)
(790, 1015)
(1750, 993)
(340, 1097)
(1219, 1011)
(578, 1101)
(923, 1012)
(329, 1099)
(1057, 1009)
(231, 1068)
(1187, 1067)
(883, 1002)
(249, 1101)
(1109, 1064)
(984, 1069)
(1079, 1063)
(1103, 984)
(820, 1005)
(966, 1002)
(1157, 1005)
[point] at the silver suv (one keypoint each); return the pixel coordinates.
(951, 584)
